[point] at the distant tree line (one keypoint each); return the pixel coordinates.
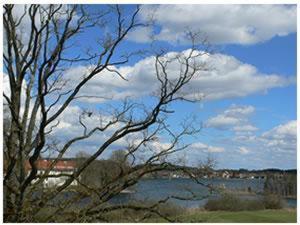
(101, 172)
(283, 185)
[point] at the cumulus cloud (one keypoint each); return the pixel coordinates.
(143, 34)
(5, 86)
(206, 148)
(227, 78)
(235, 110)
(222, 122)
(70, 127)
(282, 137)
(243, 150)
(288, 130)
(222, 24)
(245, 128)
(21, 13)
(102, 87)
(7, 91)
(275, 147)
(235, 118)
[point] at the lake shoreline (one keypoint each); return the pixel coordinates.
(158, 188)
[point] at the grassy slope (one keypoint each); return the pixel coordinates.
(263, 216)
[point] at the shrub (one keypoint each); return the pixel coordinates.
(284, 185)
(254, 205)
(273, 202)
(230, 202)
(225, 202)
(125, 215)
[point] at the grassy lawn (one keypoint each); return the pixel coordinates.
(262, 216)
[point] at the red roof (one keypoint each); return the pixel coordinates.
(43, 164)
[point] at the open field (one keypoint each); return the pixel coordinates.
(202, 216)
(262, 216)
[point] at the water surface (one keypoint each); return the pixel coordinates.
(157, 189)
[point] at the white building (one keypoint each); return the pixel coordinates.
(58, 172)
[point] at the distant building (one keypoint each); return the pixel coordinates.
(59, 172)
(226, 174)
(242, 175)
(175, 176)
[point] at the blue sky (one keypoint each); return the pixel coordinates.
(274, 109)
(249, 114)
(266, 136)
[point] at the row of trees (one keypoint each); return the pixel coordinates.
(39, 47)
(284, 185)
(101, 172)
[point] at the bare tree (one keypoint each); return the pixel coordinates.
(35, 65)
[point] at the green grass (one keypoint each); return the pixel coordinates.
(261, 216)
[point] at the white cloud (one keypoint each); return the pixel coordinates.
(222, 122)
(102, 87)
(245, 137)
(7, 92)
(70, 127)
(235, 110)
(243, 150)
(234, 118)
(287, 130)
(6, 88)
(206, 148)
(222, 24)
(228, 78)
(143, 34)
(20, 12)
(245, 128)
(159, 146)
(282, 137)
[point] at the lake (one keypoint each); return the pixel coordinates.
(156, 189)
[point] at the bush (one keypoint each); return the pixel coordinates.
(168, 210)
(273, 202)
(284, 185)
(229, 202)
